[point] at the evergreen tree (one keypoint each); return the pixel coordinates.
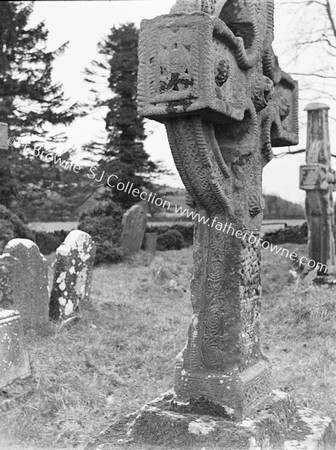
(123, 154)
(29, 100)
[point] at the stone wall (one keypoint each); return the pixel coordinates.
(297, 235)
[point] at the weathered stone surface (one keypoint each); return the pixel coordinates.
(208, 72)
(151, 242)
(25, 282)
(318, 180)
(73, 271)
(14, 361)
(134, 226)
(168, 423)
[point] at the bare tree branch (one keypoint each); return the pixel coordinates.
(313, 75)
(331, 19)
(316, 41)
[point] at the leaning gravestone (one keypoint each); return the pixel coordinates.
(133, 228)
(208, 72)
(73, 270)
(318, 180)
(14, 361)
(24, 282)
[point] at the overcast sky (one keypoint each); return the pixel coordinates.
(85, 23)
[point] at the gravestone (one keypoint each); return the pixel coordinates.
(208, 72)
(73, 271)
(14, 361)
(4, 155)
(318, 180)
(3, 136)
(25, 282)
(133, 228)
(151, 242)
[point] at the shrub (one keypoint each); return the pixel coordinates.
(49, 242)
(103, 223)
(297, 235)
(109, 254)
(170, 240)
(187, 231)
(11, 226)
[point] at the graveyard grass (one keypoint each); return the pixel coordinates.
(121, 354)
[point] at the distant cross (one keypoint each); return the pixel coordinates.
(208, 72)
(318, 180)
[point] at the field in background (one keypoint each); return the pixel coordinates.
(121, 354)
(53, 226)
(268, 225)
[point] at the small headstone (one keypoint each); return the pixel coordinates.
(3, 136)
(27, 286)
(151, 242)
(14, 361)
(134, 226)
(72, 275)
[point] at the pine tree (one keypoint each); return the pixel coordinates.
(123, 154)
(29, 100)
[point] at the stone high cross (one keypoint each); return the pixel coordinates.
(208, 72)
(318, 180)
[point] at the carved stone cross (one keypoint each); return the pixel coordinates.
(208, 72)
(318, 180)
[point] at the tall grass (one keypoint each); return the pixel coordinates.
(121, 353)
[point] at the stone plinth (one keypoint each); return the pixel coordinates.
(14, 361)
(167, 423)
